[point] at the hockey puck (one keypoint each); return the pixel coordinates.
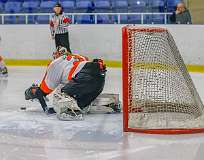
(23, 108)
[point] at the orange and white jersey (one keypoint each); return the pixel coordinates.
(61, 70)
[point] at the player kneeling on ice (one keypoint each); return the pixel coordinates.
(81, 80)
(3, 68)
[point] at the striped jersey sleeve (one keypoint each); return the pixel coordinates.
(52, 29)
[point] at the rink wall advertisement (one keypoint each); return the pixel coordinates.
(33, 42)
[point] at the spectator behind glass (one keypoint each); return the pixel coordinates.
(91, 9)
(181, 15)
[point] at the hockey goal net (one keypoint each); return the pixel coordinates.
(158, 93)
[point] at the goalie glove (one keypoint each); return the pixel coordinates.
(29, 93)
(35, 93)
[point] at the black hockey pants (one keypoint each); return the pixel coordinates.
(86, 85)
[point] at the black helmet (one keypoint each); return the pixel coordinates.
(58, 5)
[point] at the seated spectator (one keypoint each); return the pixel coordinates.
(91, 8)
(181, 15)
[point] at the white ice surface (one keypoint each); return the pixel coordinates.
(32, 135)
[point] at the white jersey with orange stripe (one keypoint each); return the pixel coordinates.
(61, 70)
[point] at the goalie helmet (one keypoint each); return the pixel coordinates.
(62, 50)
(29, 93)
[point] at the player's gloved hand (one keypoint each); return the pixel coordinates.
(30, 92)
(34, 92)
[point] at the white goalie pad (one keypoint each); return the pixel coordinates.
(105, 99)
(105, 103)
(65, 101)
(66, 107)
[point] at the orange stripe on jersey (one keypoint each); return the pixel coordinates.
(73, 69)
(80, 58)
(77, 56)
(43, 85)
(45, 88)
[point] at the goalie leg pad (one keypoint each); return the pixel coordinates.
(69, 115)
(106, 103)
(67, 108)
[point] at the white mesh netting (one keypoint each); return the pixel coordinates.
(161, 92)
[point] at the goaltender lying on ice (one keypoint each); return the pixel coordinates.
(77, 83)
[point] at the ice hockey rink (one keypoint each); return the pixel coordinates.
(32, 135)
